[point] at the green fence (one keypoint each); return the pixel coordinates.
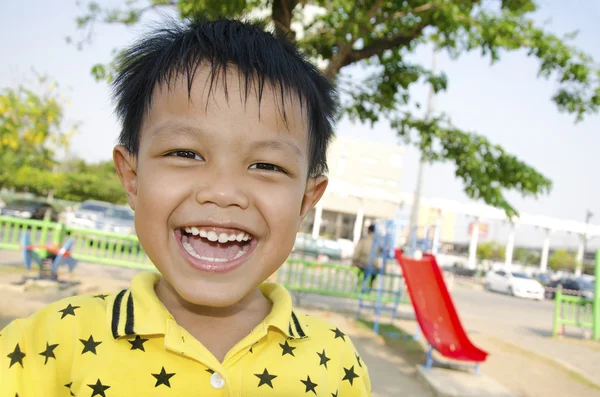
(88, 245)
(336, 280)
(125, 251)
(578, 311)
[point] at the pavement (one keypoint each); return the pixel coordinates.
(521, 361)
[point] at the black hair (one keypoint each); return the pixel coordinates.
(181, 48)
(371, 229)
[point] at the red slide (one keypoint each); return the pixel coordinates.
(435, 310)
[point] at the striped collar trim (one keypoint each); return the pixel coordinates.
(138, 311)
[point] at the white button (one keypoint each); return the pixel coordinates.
(217, 381)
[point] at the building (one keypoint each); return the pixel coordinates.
(364, 185)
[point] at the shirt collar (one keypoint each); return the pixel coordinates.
(282, 316)
(138, 311)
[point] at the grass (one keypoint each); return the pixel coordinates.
(401, 341)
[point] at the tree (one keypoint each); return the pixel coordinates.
(562, 259)
(81, 181)
(380, 35)
(31, 131)
(525, 256)
(490, 251)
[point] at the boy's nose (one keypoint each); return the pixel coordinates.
(223, 191)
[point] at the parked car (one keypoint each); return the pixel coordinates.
(87, 214)
(118, 219)
(29, 209)
(580, 286)
(514, 283)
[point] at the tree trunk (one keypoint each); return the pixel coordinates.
(282, 13)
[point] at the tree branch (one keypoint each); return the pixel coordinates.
(282, 13)
(380, 45)
(345, 48)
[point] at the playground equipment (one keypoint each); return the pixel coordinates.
(48, 257)
(578, 311)
(381, 250)
(435, 311)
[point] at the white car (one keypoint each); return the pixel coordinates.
(514, 283)
(86, 216)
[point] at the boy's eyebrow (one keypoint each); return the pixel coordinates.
(281, 144)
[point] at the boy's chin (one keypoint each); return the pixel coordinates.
(215, 295)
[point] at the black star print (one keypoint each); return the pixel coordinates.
(101, 296)
(324, 358)
(89, 345)
(339, 334)
(335, 395)
(68, 385)
(350, 375)
(69, 310)
(265, 378)
(310, 386)
(98, 389)
(138, 343)
(358, 359)
(16, 356)
(49, 352)
(163, 377)
(287, 349)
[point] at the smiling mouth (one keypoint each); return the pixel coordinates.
(212, 246)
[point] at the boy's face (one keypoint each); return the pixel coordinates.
(219, 168)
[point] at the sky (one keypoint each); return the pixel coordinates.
(505, 102)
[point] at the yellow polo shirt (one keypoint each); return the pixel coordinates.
(128, 344)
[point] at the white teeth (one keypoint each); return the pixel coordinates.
(212, 236)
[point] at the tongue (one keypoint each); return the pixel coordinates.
(204, 248)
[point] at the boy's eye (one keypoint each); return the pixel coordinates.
(188, 154)
(268, 167)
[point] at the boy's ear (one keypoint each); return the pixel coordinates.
(315, 188)
(126, 164)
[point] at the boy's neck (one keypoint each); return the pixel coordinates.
(212, 326)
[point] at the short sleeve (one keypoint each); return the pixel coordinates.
(15, 362)
(354, 375)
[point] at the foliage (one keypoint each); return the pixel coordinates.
(562, 259)
(490, 251)
(30, 132)
(381, 36)
(525, 256)
(81, 181)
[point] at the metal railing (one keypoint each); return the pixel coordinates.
(337, 280)
(125, 251)
(578, 311)
(88, 245)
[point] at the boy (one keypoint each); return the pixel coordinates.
(222, 155)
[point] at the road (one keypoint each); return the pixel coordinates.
(503, 313)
